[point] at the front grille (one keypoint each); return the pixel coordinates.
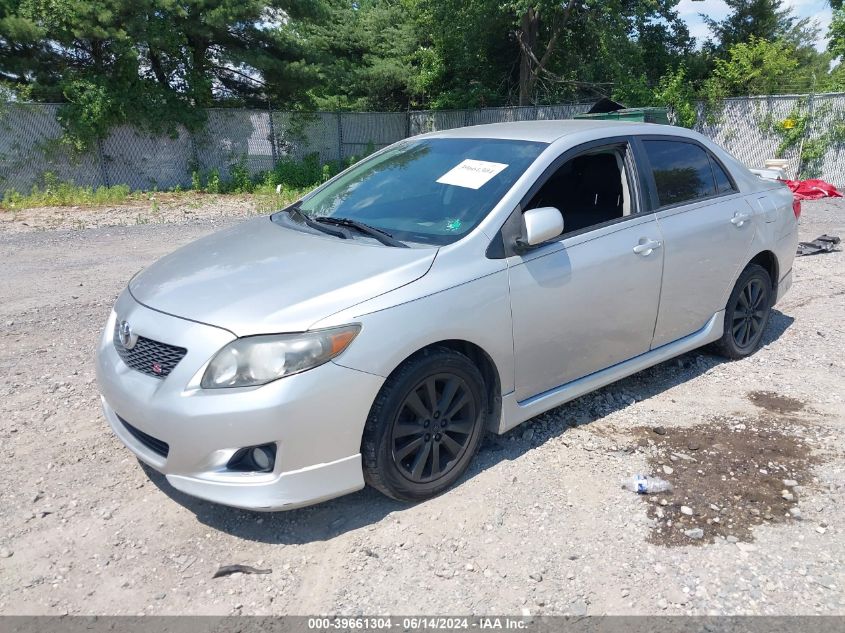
(156, 445)
(149, 357)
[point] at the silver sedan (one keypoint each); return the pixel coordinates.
(451, 284)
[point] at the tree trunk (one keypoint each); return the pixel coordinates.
(528, 34)
(530, 66)
(200, 79)
(158, 69)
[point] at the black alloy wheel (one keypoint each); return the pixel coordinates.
(433, 427)
(747, 313)
(425, 425)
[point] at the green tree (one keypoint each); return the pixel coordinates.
(470, 52)
(836, 47)
(588, 43)
(756, 67)
(369, 55)
(150, 62)
(490, 52)
(836, 34)
(773, 21)
(763, 19)
(210, 50)
(675, 91)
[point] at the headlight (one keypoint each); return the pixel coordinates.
(257, 360)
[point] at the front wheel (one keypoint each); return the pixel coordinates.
(747, 313)
(425, 426)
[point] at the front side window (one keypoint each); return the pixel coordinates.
(590, 189)
(430, 191)
(681, 171)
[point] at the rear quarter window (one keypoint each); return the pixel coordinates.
(723, 182)
(682, 171)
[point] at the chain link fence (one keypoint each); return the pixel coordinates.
(806, 130)
(753, 129)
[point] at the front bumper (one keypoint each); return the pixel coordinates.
(316, 419)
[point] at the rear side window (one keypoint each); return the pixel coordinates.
(723, 183)
(681, 171)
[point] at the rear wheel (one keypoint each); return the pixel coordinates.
(425, 425)
(747, 313)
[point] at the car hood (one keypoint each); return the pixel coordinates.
(260, 278)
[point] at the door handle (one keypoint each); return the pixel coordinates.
(740, 218)
(646, 247)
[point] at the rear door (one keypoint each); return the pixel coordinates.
(707, 227)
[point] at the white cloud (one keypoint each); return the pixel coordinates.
(699, 31)
(690, 10)
(823, 18)
(800, 5)
(817, 10)
(713, 8)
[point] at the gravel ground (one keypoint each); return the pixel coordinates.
(140, 209)
(539, 525)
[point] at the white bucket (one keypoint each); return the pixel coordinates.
(776, 163)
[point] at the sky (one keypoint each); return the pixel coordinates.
(690, 10)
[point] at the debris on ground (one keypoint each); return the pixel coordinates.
(812, 189)
(646, 485)
(745, 473)
(822, 244)
(228, 570)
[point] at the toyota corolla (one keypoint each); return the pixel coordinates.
(451, 284)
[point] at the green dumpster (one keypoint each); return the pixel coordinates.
(640, 115)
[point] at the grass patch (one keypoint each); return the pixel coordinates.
(54, 193)
(288, 174)
(272, 190)
(268, 200)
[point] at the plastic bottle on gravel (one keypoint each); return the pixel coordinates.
(646, 485)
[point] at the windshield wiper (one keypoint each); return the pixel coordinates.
(382, 236)
(294, 210)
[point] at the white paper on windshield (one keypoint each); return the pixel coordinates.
(471, 174)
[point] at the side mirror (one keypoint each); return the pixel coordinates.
(541, 225)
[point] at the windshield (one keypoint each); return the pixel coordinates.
(432, 191)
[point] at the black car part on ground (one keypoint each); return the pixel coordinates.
(822, 244)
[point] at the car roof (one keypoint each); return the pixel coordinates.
(551, 130)
(585, 130)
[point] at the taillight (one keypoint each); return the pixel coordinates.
(796, 207)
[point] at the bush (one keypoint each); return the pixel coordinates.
(292, 174)
(213, 184)
(676, 93)
(240, 180)
(309, 172)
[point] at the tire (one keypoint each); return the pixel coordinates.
(411, 449)
(747, 313)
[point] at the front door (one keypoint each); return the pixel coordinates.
(587, 300)
(584, 304)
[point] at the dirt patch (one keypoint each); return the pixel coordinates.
(728, 475)
(774, 402)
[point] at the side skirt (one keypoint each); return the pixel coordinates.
(515, 413)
